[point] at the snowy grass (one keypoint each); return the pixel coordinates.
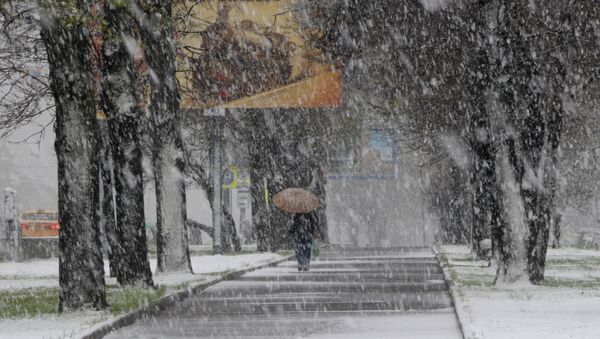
(565, 305)
(34, 302)
(29, 293)
(28, 302)
(121, 300)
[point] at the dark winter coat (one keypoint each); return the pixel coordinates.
(303, 226)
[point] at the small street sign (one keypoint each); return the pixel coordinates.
(229, 178)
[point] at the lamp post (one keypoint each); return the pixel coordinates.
(217, 115)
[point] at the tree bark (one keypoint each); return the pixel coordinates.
(195, 224)
(81, 269)
(121, 105)
(107, 206)
(509, 230)
(230, 238)
(483, 179)
(237, 246)
(259, 174)
(536, 165)
(158, 37)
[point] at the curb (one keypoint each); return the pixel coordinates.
(453, 291)
(101, 329)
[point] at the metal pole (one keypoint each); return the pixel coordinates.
(423, 210)
(268, 208)
(11, 216)
(217, 206)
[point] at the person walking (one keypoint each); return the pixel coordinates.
(304, 224)
(303, 228)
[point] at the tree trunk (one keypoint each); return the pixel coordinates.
(121, 105)
(107, 207)
(234, 239)
(539, 201)
(537, 119)
(529, 160)
(556, 224)
(259, 209)
(259, 175)
(81, 269)
(158, 38)
(508, 228)
(321, 182)
(483, 180)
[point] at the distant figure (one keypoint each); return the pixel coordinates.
(302, 229)
(555, 223)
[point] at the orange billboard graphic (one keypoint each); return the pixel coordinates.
(251, 54)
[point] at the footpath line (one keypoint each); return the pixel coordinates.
(103, 328)
(453, 291)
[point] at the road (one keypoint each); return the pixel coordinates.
(348, 293)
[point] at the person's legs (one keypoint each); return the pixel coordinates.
(297, 244)
(307, 252)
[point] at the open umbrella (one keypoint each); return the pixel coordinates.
(296, 200)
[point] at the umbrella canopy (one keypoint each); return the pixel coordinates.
(296, 200)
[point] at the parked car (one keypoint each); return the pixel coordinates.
(39, 224)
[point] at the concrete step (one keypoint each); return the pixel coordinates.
(360, 263)
(215, 307)
(369, 269)
(364, 263)
(344, 277)
(355, 270)
(246, 288)
(407, 325)
(352, 248)
(377, 258)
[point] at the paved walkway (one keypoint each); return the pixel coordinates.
(348, 293)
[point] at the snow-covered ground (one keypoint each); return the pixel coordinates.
(567, 305)
(44, 273)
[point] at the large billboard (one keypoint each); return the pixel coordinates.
(251, 54)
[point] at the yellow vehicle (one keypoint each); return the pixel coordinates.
(39, 224)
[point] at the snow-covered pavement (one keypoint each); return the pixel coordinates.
(566, 305)
(348, 293)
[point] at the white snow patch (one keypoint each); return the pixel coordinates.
(528, 311)
(44, 273)
(546, 313)
(431, 325)
(49, 327)
(30, 269)
(457, 150)
(434, 5)
(223, 263)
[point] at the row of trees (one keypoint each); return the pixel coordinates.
(101, 57)
(494, 80)
(66, 31)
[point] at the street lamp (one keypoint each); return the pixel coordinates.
(217, 115)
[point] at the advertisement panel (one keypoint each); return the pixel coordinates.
(251, 54)
(374, 156)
